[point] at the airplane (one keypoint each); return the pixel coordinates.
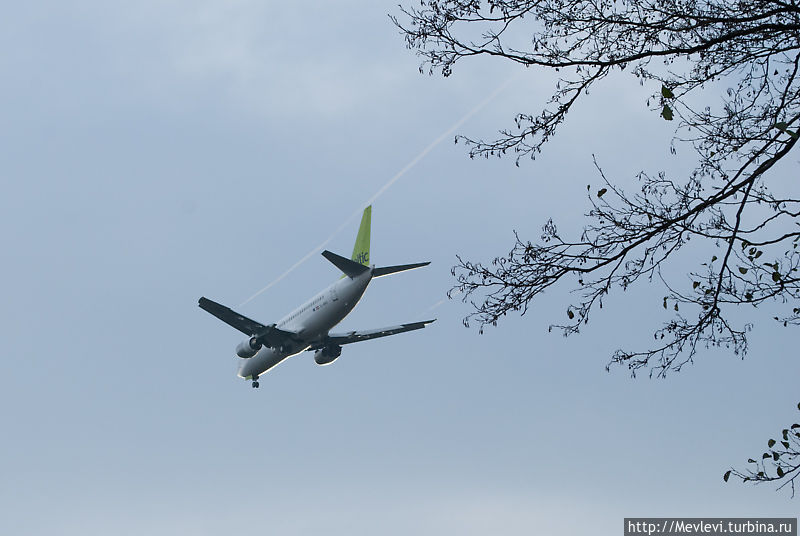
(307, 327)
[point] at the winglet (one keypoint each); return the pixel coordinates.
(350, 268)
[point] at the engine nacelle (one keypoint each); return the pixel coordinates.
(248, 348)
(327, 355)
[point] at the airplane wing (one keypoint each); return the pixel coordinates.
(358, 336)
(267, 335)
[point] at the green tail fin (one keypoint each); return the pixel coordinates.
(361, 249)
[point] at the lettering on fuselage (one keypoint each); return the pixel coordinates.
(362, 258)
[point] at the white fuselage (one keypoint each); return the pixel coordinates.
(311, 321)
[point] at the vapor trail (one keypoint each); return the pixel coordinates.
(430, 309)
(414, 161)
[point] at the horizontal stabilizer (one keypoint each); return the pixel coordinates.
(351, 268)
(387, 270)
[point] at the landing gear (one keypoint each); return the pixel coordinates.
(255, 382)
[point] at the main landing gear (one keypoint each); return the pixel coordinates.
(255, 382)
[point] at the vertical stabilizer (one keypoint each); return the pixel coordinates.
(361, 249)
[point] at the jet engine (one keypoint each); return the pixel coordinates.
(327, 355)
(248, 348)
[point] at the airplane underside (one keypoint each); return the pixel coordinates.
(307, 328)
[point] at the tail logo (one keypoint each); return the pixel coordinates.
(361, 247)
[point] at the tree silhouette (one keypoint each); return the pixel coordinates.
(687, 50)
(780, 463)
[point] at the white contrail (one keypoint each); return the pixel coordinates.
(430, 309)
(388, 184)
(302, 260)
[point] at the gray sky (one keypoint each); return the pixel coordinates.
(154, 152)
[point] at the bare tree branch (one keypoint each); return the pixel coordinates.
(688, 49)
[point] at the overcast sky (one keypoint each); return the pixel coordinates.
(154, 152)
